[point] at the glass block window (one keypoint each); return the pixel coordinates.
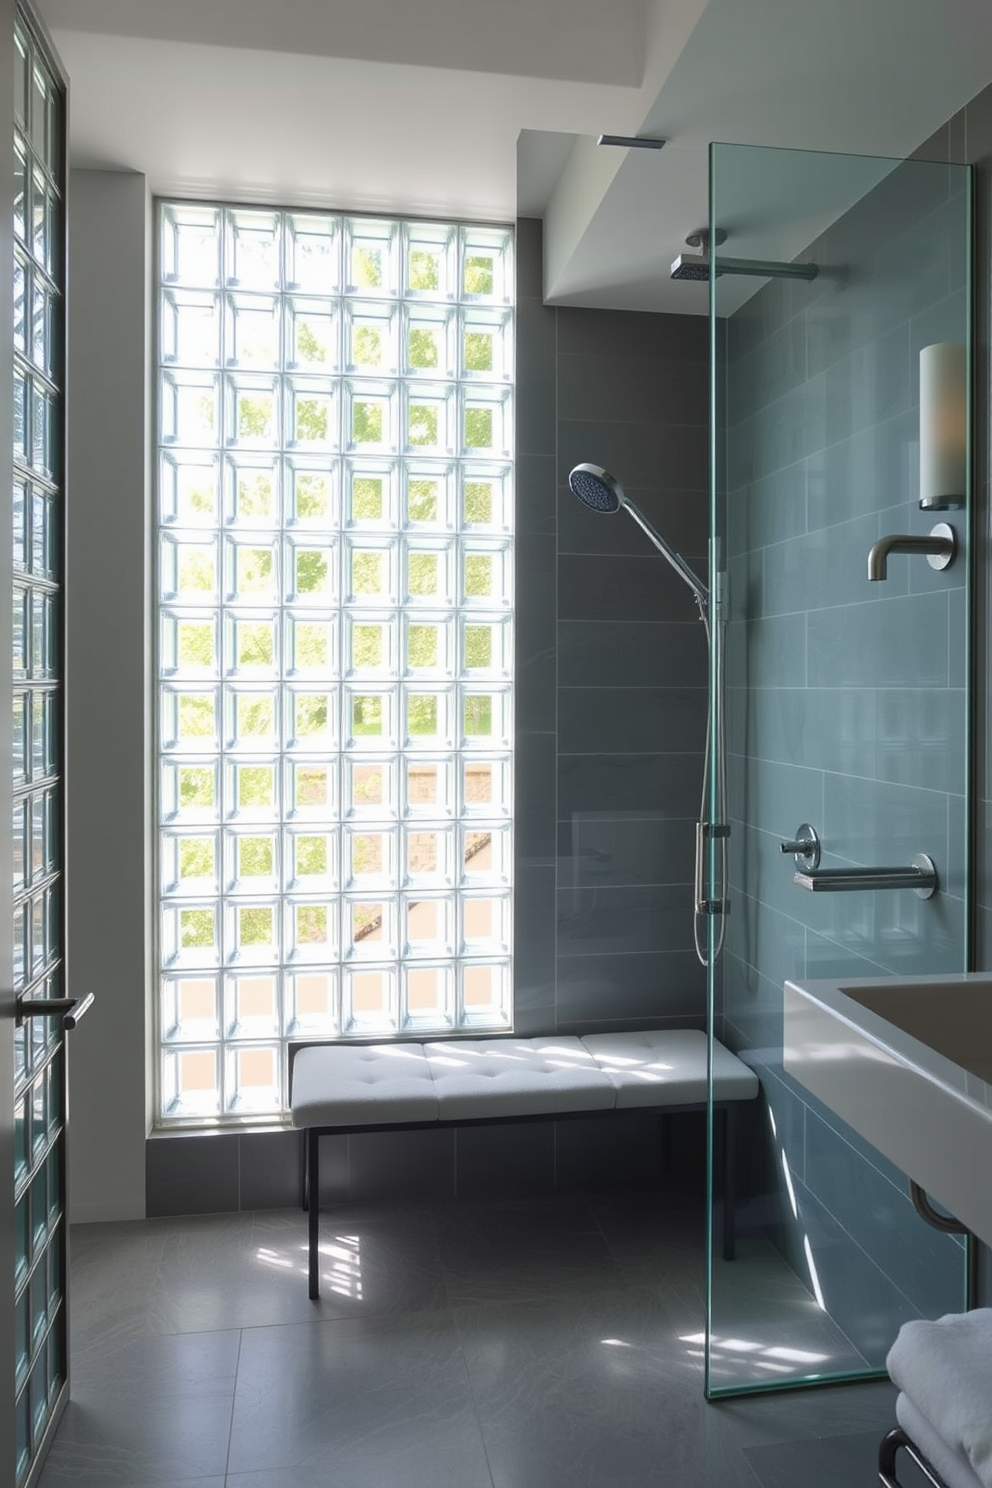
(334, 650)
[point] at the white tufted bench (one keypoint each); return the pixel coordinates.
(348, 1088)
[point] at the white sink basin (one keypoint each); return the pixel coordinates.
(907, 1062)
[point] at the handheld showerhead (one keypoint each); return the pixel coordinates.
(596, 488)
(602, 492)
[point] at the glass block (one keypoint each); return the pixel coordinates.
(486, 345)
(427, 997)
(370, 417)
(190, 864)
(46, 213)
(428, 573)
(252, 862)
(21, 632)
(371, 646)
(252, 718)
(486, 647)
(370, 788)
(251, 491)
(191, 1082)
(190, 328)
(190, 935)
(21, 840)
(368, 858)
(190, 1009)
(486, 423)
(44, 634)
(22, 418)
(485, 718)
(22, 279)
(485, 855)
(371, 339)
(428, 856)
(311, 718)
(430, 342)
(21, 1129)
(428, 495)
(252, 1079)
(313, 253)
(430, 261)
(44, 341)
(312, 336)
(188, 490)
(22, 192)
(22, 1337)
(484, 993)
(20, 947)
(189, 570)
(22, 1238)
(20, 77)
(369, 927)
(44, 738)
(485, 924)
(250, 645)
(429, 419)
(311, 646)
(44, 432)
(252, 327)
(370, 718)
(251, 570)
(311, 572)
(312, 497)
(312, 1005)
(370, 494)
(487, 265)
(191, 245)
(313, 790)
(251, 1006)
(370, 573)
(428, 645)
(370, 1000)
(45, 535)
(253, 242)
(428, 787)
(427, 718)
(252, 932)
(20, 524)
(190, 409)
(21, 733)
(486, 788)
(311, 930)
(190, 791)
(38, 111)
(38, 1306)
(312, 414)
(252, 411)
(312, 860)
(371, 257)
(252, 790)
(189, 644)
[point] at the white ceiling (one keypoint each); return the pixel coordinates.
(417, 105)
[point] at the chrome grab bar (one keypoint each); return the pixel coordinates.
(69, 1009)
(920, 876)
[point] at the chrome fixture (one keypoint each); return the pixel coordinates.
(696, 266)
(602, 492)
(943, 425)
(69, 1009)
(631, 142)
(920, 876)
(805, 848)
(940, 546)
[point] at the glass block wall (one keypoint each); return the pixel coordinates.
(334, 654)
(39, 1074)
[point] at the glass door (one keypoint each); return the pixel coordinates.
(842, 705)
(34, 1034)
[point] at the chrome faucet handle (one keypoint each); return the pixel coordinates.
(805, 847)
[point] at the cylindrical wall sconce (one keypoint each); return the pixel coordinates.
(943, 426)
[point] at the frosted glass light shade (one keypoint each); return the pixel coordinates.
(943, 425)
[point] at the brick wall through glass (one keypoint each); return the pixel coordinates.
(334, 648)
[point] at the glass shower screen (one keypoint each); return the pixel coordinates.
(842, 704)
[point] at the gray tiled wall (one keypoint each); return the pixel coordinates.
(846, 703)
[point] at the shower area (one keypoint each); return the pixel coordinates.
(838, 707)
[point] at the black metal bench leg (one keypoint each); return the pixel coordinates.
(313, 1204)
(305, 1168)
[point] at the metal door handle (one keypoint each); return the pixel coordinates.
(70, 1009)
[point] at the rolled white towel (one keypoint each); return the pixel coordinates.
(945, 1368)
(953, 1467)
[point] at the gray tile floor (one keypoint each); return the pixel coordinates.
(522, 1344)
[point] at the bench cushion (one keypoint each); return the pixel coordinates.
(667, 1067)
(362, 1085)
(476, 1078)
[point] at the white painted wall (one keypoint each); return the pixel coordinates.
(108, 667)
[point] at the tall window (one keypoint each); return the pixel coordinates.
(334, 640)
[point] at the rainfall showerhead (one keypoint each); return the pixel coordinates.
(695, 267)
(602, 492)
(596, 487)
(691, 267)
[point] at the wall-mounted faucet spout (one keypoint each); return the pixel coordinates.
(940, 546)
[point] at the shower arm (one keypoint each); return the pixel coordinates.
(679, 564)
